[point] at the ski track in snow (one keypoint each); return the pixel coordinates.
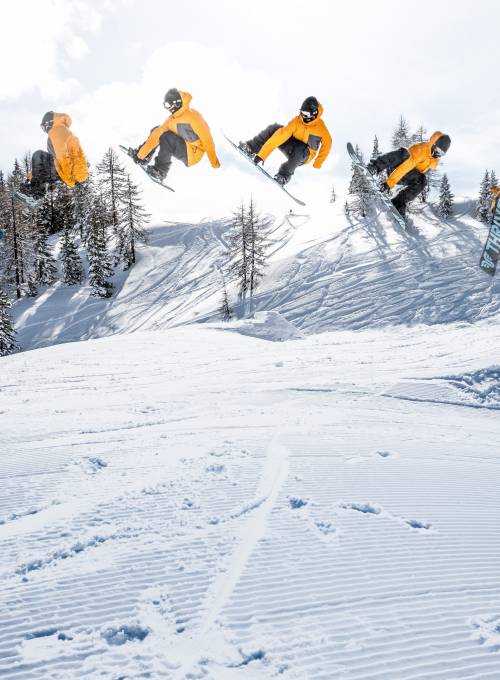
(193, 503)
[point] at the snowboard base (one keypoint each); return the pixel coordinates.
(491, 250)
(131, 154)
(264, 172)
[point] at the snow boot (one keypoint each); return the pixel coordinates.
(156, 173)
(281, 179)
(244, 146)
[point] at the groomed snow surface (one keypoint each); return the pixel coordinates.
(312, 493)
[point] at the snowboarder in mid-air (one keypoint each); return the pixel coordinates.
(183, 135)
(409, 167)
(64, 160)
(305, 138)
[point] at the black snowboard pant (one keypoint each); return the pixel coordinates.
(296, 151)
(171, 145)
(43, 173)
(414, 181)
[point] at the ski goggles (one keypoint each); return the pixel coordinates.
(437, 152)
(173, 106)
(308, 116)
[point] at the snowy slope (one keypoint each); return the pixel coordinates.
(197, 503)
(326, 272)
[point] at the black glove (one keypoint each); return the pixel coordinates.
(384, 187)
(372, 168)
(136, 159)
(257, 160)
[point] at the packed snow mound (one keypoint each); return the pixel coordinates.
(266, 326)
(325, 272)
(480, 389)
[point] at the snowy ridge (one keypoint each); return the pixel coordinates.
(325, 273)
(193, 503)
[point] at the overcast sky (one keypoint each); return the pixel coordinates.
(247, 64)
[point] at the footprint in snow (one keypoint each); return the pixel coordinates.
(487, 631)
(123, 634)
(365, 508)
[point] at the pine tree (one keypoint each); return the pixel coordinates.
(360, 189)
(83, 196)
(7, 332)
(376, 151)
(258, 245)
(72, 267)
(333, 196)
(401, 135)
(419, 136)
(226, 311)
(238, 250)
(45, 266)
(100, 268)
(133, 219)
(445, 205)
(13, 241)
(483, 206)
(112, 184)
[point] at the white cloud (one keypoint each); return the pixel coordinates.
(30, 56)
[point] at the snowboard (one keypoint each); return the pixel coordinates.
(264, 172)
(491, 250)
(384, 198)
(131, 154)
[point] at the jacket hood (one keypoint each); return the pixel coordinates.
(62, 119)
(186, 101)
(437, 135)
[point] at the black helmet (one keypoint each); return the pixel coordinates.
(309, 109)
(47, 121)
(172, 100)
(441, 146)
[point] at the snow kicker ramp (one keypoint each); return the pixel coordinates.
(326, 272)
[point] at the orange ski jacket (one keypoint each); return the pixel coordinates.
(420, 158)
(315, 134)
(496, 193)
(191, 126)
(64, 146)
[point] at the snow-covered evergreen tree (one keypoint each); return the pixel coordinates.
(333, 195)
(401, 135)
(100, 267)
(14, 219)
(420, 135)
(225, 310)
(483, 206)
(375, 151)
(238, 250)
(72, 267)
(83, 196)
(133, 219)
(445, 205)
(45, 266)
(360, 188)
(258, 245)
(7, 332)
(112, 185)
